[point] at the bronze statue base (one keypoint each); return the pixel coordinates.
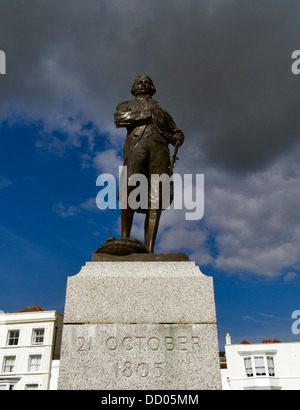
(122, 246)
(141, 257)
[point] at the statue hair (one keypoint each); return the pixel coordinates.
(133, 89)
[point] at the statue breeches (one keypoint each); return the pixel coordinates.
(149, 157)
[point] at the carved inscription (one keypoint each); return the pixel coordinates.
(124, 352)
(129, 369)
(143, 343)
(83, 344)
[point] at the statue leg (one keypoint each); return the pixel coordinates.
(134, 163)
(151, 228)
(126, 222)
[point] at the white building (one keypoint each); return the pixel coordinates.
(270, 365)
(29, 343)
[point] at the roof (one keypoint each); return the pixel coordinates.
(245, 342)
(34, 308)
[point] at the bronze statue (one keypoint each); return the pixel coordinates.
(150, 129)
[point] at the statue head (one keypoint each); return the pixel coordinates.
(143, 85)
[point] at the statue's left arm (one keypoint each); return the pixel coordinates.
(172, 134)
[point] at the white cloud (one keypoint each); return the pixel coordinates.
(89, 204)
(63, 211)
(66, 211)
(62, 133)
(290, 276)
(108, 162)
(256, 219)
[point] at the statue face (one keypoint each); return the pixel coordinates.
(143, 86)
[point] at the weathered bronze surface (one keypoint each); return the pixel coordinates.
(150, 129)
(121, 247)
(141, 257)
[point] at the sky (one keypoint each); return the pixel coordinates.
(222, 68)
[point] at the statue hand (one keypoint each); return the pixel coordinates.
(178, 138)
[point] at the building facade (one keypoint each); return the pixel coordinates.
(29, 343)
(270, 365)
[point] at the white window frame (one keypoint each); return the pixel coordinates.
(259, 365)
(8, 338)
(33, 336)
(9, 382)
(273, 367)
(248, 367)
(6, 386)
(32, 384)
(28, 363)
(3, 364)
(260, 354)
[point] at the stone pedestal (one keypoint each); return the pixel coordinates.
(132, 324)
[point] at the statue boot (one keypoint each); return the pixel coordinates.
(151, 228)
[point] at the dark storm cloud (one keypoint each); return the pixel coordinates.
(221, 68)
(237, 92)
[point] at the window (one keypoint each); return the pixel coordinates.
(271, 367)
(13, 337)
(9, 363)
(248, 367)
(31, 387)
(259, 363)
(7, 386)
(34, 363)
(38, 336)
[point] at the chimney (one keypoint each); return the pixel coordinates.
(228, 339)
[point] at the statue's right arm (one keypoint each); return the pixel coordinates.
(129, 113)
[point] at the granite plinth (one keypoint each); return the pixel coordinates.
(140, 325)
(143, 357)
(140, 292)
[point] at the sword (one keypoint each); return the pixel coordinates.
(174, 158)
